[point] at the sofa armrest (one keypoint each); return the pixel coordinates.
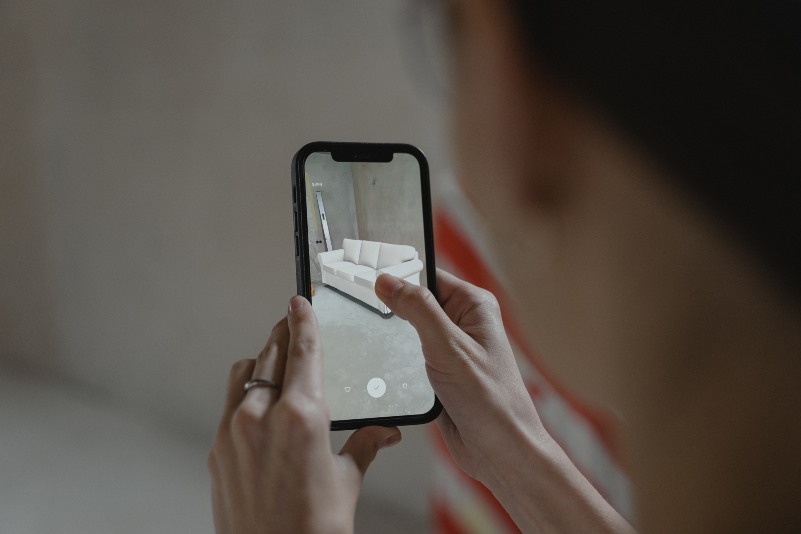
(403, 270)
(331, 256)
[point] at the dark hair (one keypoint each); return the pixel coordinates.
(711, 89)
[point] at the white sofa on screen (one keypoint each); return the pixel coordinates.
(354, 268)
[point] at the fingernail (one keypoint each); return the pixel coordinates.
(393, 439)
(296, 303)
(387, 285)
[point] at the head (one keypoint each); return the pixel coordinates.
(635, 176)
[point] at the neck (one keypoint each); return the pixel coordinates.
(717, 449)
(706, 351)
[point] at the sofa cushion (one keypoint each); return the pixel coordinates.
(369, 254)
(347, 271)
(394, 254)
(332, 267)
(366, 279)
(351, 247)
(403, 270)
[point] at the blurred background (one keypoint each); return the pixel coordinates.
(146, 237)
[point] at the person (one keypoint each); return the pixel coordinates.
(637, 166)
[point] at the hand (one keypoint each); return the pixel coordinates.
(489, 423)
(471, 368)
(271, 463)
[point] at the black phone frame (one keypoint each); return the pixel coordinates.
(361, 152)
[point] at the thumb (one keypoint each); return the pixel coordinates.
(445, 346)
(364, 444)
(417, 305)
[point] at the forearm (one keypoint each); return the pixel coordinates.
(543, 490)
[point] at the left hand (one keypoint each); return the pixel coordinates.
(271, 463)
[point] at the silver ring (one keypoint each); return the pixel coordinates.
(260, 383)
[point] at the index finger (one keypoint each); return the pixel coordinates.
(303, 373)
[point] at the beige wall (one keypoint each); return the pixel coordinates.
(145, 152)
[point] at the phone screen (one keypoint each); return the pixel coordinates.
(364, 218)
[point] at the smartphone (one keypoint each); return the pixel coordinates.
(362, 209)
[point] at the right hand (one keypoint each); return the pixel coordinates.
(471, 367)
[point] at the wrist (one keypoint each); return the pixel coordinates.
(523, 451)
(541, 489)
(510, 443)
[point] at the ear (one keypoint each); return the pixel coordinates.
(513, 122)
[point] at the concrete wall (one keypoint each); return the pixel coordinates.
(388, 204)
(145, 157)
(336, 187)
(373, 201)
(316, 236)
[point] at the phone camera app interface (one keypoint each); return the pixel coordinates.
(365, 219)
